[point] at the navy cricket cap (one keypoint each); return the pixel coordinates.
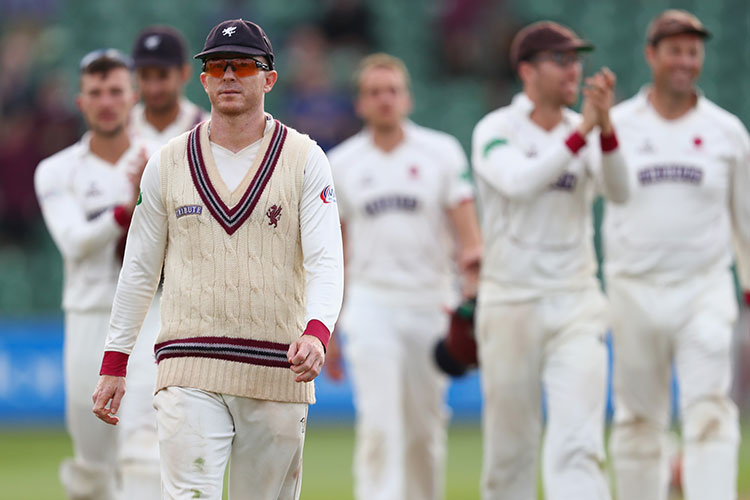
(159, 46)
(237, 37)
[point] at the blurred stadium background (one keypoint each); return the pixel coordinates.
(456, 51)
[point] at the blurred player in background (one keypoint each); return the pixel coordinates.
(87, 193)
(404, 195)
(541, 317)
(668, 257)
(240, 213)
(159, 55)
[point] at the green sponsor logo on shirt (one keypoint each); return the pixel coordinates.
(140, 198)
(494, 143)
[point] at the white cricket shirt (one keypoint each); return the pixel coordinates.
(77, 192)
(147, 240)
(398, 234)
(188, 117)
(691, 191)
(536, 197)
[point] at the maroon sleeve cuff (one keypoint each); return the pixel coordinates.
(319, 330)
(122, 216)
(114, 363)
(575, 142)
(609, 142)
(747, 297)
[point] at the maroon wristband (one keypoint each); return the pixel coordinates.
(609, 142)
(575, 142)
(114, 363)
(318, 330)
(122, 216)
(747, 297)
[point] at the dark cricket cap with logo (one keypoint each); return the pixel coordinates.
(544, 36)
(675, 22)
(159, 46)
(237, 37)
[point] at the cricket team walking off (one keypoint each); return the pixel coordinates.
(225, 229)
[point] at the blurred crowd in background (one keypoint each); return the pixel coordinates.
(456, 51)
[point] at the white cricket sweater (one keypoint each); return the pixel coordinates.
(535, 197)
(690, 196)
(77, 193)
(398, 235)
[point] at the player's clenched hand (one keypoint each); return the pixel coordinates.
(306, 354)
(109, 388)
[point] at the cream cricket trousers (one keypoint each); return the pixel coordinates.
(689, 325)
(109, 460)
(556, 344)
(399, 396)
(200, 431)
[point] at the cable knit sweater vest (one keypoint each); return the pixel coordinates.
(234, 280)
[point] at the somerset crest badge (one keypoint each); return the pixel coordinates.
(273, 214)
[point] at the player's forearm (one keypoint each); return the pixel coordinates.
(322, 248)
(141, 271)
(136, 287)
(614, 170)
(515, 176)
(77, 237)
(464, 219)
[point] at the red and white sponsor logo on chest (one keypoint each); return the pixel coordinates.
(328, 195)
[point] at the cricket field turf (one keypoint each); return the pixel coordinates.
(29, 459)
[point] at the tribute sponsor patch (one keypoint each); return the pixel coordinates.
(670, 173)
(392, 203)
(328, 195)
(188, 210)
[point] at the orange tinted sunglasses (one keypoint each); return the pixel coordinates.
(242, 67)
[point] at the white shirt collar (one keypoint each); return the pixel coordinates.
(643, 101)
(523, 105)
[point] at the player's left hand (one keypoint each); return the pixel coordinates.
(107, 398)
(306, 354)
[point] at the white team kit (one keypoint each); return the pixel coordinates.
(541, 318)
(188, 117)
(77, 192)
(400, 279)
(668, 256)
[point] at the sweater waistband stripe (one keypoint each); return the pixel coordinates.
(251, 351)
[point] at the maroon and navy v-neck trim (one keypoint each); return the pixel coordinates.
(232, 218)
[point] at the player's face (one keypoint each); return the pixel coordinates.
(557, 77)
(384, 99)
(106, 100)
(676, 62)
(234, 95)
(160, 87)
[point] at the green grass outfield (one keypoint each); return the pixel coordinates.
(29, 461)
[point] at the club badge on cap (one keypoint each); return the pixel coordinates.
(237, 37)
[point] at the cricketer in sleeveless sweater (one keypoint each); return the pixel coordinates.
(234, 280)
